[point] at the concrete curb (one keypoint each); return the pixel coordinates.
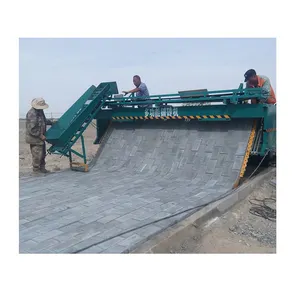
(211, 211)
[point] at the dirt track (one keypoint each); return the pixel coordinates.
(53, 162)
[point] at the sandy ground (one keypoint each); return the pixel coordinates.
(237, 231)
(53, 162)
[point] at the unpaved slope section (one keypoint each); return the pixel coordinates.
(146, 171)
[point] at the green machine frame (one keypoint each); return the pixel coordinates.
(104, 105)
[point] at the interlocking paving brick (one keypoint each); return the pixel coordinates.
(47, 235)
(44, 245)
(83, 244)
(147, 171)
(238, 163)
(116, 249)
(27, 246)
(109, 218)
(130, 240)
(112, 242)
(71, 227)
(92, 250)
(148, 230)
(211, 165)
(241, 148)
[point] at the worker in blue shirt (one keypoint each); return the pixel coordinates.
(140, 90)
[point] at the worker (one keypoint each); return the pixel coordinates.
(140, 90)
(257, 81)
(36, 126)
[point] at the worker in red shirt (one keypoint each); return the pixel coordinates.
(257, 81)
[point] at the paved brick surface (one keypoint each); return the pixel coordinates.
(146, 171)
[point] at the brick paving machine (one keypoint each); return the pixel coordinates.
(105, 105)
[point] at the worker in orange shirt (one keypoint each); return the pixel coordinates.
(257, 81)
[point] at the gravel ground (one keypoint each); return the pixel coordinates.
(237, 231)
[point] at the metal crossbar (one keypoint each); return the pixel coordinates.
(233, 96)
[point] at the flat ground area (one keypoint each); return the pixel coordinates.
(237, 231)
(54, 163)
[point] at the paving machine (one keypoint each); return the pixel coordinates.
(104, 105)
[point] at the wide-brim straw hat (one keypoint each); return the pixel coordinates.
(39, 103)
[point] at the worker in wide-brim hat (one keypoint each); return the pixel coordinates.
(36, 126)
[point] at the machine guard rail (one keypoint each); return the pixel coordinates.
(226, 96)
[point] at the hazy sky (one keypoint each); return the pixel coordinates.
(60, 70)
